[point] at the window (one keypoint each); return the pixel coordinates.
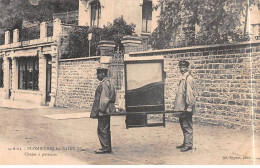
(1, 73)
(95, 14)
(28, 73)
(147, 16)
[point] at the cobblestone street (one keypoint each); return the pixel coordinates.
(22, 132)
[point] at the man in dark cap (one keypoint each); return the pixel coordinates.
(185, 101)
(104, 104)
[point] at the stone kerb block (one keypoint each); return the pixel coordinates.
(107, 48)
(15, 36)
(7, 38)
(43, 30)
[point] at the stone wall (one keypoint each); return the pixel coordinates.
(77, 82)
(225, 89)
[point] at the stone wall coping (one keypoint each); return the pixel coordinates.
(195, 48)
(127, 58)
(106, 42)
(107, 45)
(131, 37)
(124, 42)
(27, 44)
(78, 59)
(72, 25)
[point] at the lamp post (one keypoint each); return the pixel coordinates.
(89, 40)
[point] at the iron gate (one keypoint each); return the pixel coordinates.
(116, 69)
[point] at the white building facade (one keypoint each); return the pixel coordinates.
(139, 12)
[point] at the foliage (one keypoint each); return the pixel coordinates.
(117, 30)
(78, 45)
(168, 25)
(78, 38)
(29, 33)
(13, 15)
(200, 22)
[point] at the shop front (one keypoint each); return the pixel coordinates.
(26, 75)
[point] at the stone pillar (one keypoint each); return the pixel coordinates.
(131, 43)
(43, 30)
(57, 29)
(54, 75)
(107, 48)
(7, 37)
(6, 77)
(42, 76)
(15, 36)
(14, 76)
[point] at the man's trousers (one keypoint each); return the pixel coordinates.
(103, 131)
(187, 129)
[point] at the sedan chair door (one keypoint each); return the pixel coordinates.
(144, 90)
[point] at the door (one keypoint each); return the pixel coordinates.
(48, 78)
(144, 91)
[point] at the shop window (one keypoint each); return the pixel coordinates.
(28, 73)
(1, 73)
(147, 16)
(95, 14)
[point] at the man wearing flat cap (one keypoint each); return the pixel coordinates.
(185, 101)
(104, 104)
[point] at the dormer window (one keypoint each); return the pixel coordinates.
(95, 14)
(147, 16)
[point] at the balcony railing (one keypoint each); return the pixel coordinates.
(67, 17)
(38, 33)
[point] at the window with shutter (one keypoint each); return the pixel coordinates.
(95, 14)
(147, 16)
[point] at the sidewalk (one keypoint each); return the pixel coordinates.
(8, 103)
(27, 130)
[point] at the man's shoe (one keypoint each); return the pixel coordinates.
(186, 148)
(179, 147)
(102, 151)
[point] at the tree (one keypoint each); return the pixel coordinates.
(78, 38)
(168, 25)
(199, 22)
(117, 31)
(13, 14)
(221, 21)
